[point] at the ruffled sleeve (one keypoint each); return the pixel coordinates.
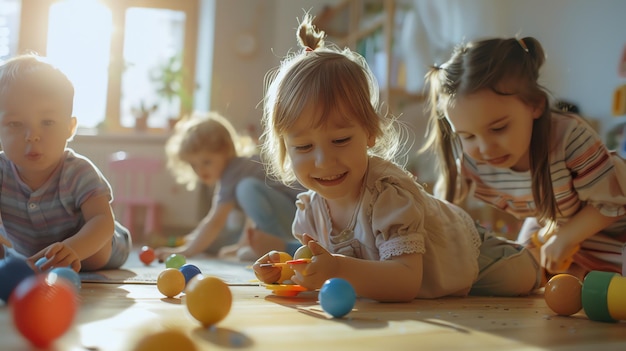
(397, 221)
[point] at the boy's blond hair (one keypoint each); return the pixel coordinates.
(50, 80)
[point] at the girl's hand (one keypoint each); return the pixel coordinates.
(164, 252)
(557, 253)
(268, 275)
(57, 255)
(323, 266)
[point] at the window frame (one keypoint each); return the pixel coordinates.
(33, 37)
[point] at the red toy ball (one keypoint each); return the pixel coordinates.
(43, 308)
(147, 255)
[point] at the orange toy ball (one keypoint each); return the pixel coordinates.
(563, 294)
(147, 255)
(43, 308)
(208, 299)
(171, 282)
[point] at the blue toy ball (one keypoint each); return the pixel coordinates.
(12, 271)
(337, 297)
(189, 271)
(67, 273)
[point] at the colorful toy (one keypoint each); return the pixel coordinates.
(287, 290)
(208, 299)
(12, 271)
(602, 296)
(147, 255)
(171, 282)
(43, 308)
(337, 297)
(69, 274)
(189, 271)
(175, 261)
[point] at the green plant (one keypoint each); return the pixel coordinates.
(168, 79)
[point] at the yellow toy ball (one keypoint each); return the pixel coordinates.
(171, 282)
(208, 299)
(286, 272)
(166, 340)
(303, 252)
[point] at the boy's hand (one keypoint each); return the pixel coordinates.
(57, 255)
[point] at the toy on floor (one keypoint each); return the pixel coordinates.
(189, 271)
(69, 274)
(208, 299)
(175, 261)
(147, 255)
(337, 297)
(602, 295)
(171, 282)
(43, 307)
(284, 286)
(12, 271)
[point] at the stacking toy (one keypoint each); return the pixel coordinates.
(602, 295)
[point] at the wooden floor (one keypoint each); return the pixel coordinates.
(114, 317)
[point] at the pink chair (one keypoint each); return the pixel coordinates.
(131, 179)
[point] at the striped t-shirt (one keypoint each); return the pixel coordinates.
(583, 172)
(33, 220)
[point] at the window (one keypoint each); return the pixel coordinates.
(128, 59)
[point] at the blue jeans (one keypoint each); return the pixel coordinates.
(272, 211)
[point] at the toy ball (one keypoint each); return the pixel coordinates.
(69, 274)
(286, 271)
(189, 271)
(302, 252)
(563, 294)
(208, 299)
(166, 340)
(43, 308)
(147, 255)
(171, 282)
(12, 271)
(175, 261)
(337, 297)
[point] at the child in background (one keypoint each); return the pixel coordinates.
(490, 117)
(206, 148)
(54, 203)
(364, 218)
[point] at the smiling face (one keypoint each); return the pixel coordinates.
(493, 128)
(330, 158)
(35, 125)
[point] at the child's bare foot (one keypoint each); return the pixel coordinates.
(262, 242)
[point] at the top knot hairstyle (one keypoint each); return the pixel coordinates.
(331, 79)
(507, 67)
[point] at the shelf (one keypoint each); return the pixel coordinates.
(347, 24)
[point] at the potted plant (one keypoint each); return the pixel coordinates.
(168, 79)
